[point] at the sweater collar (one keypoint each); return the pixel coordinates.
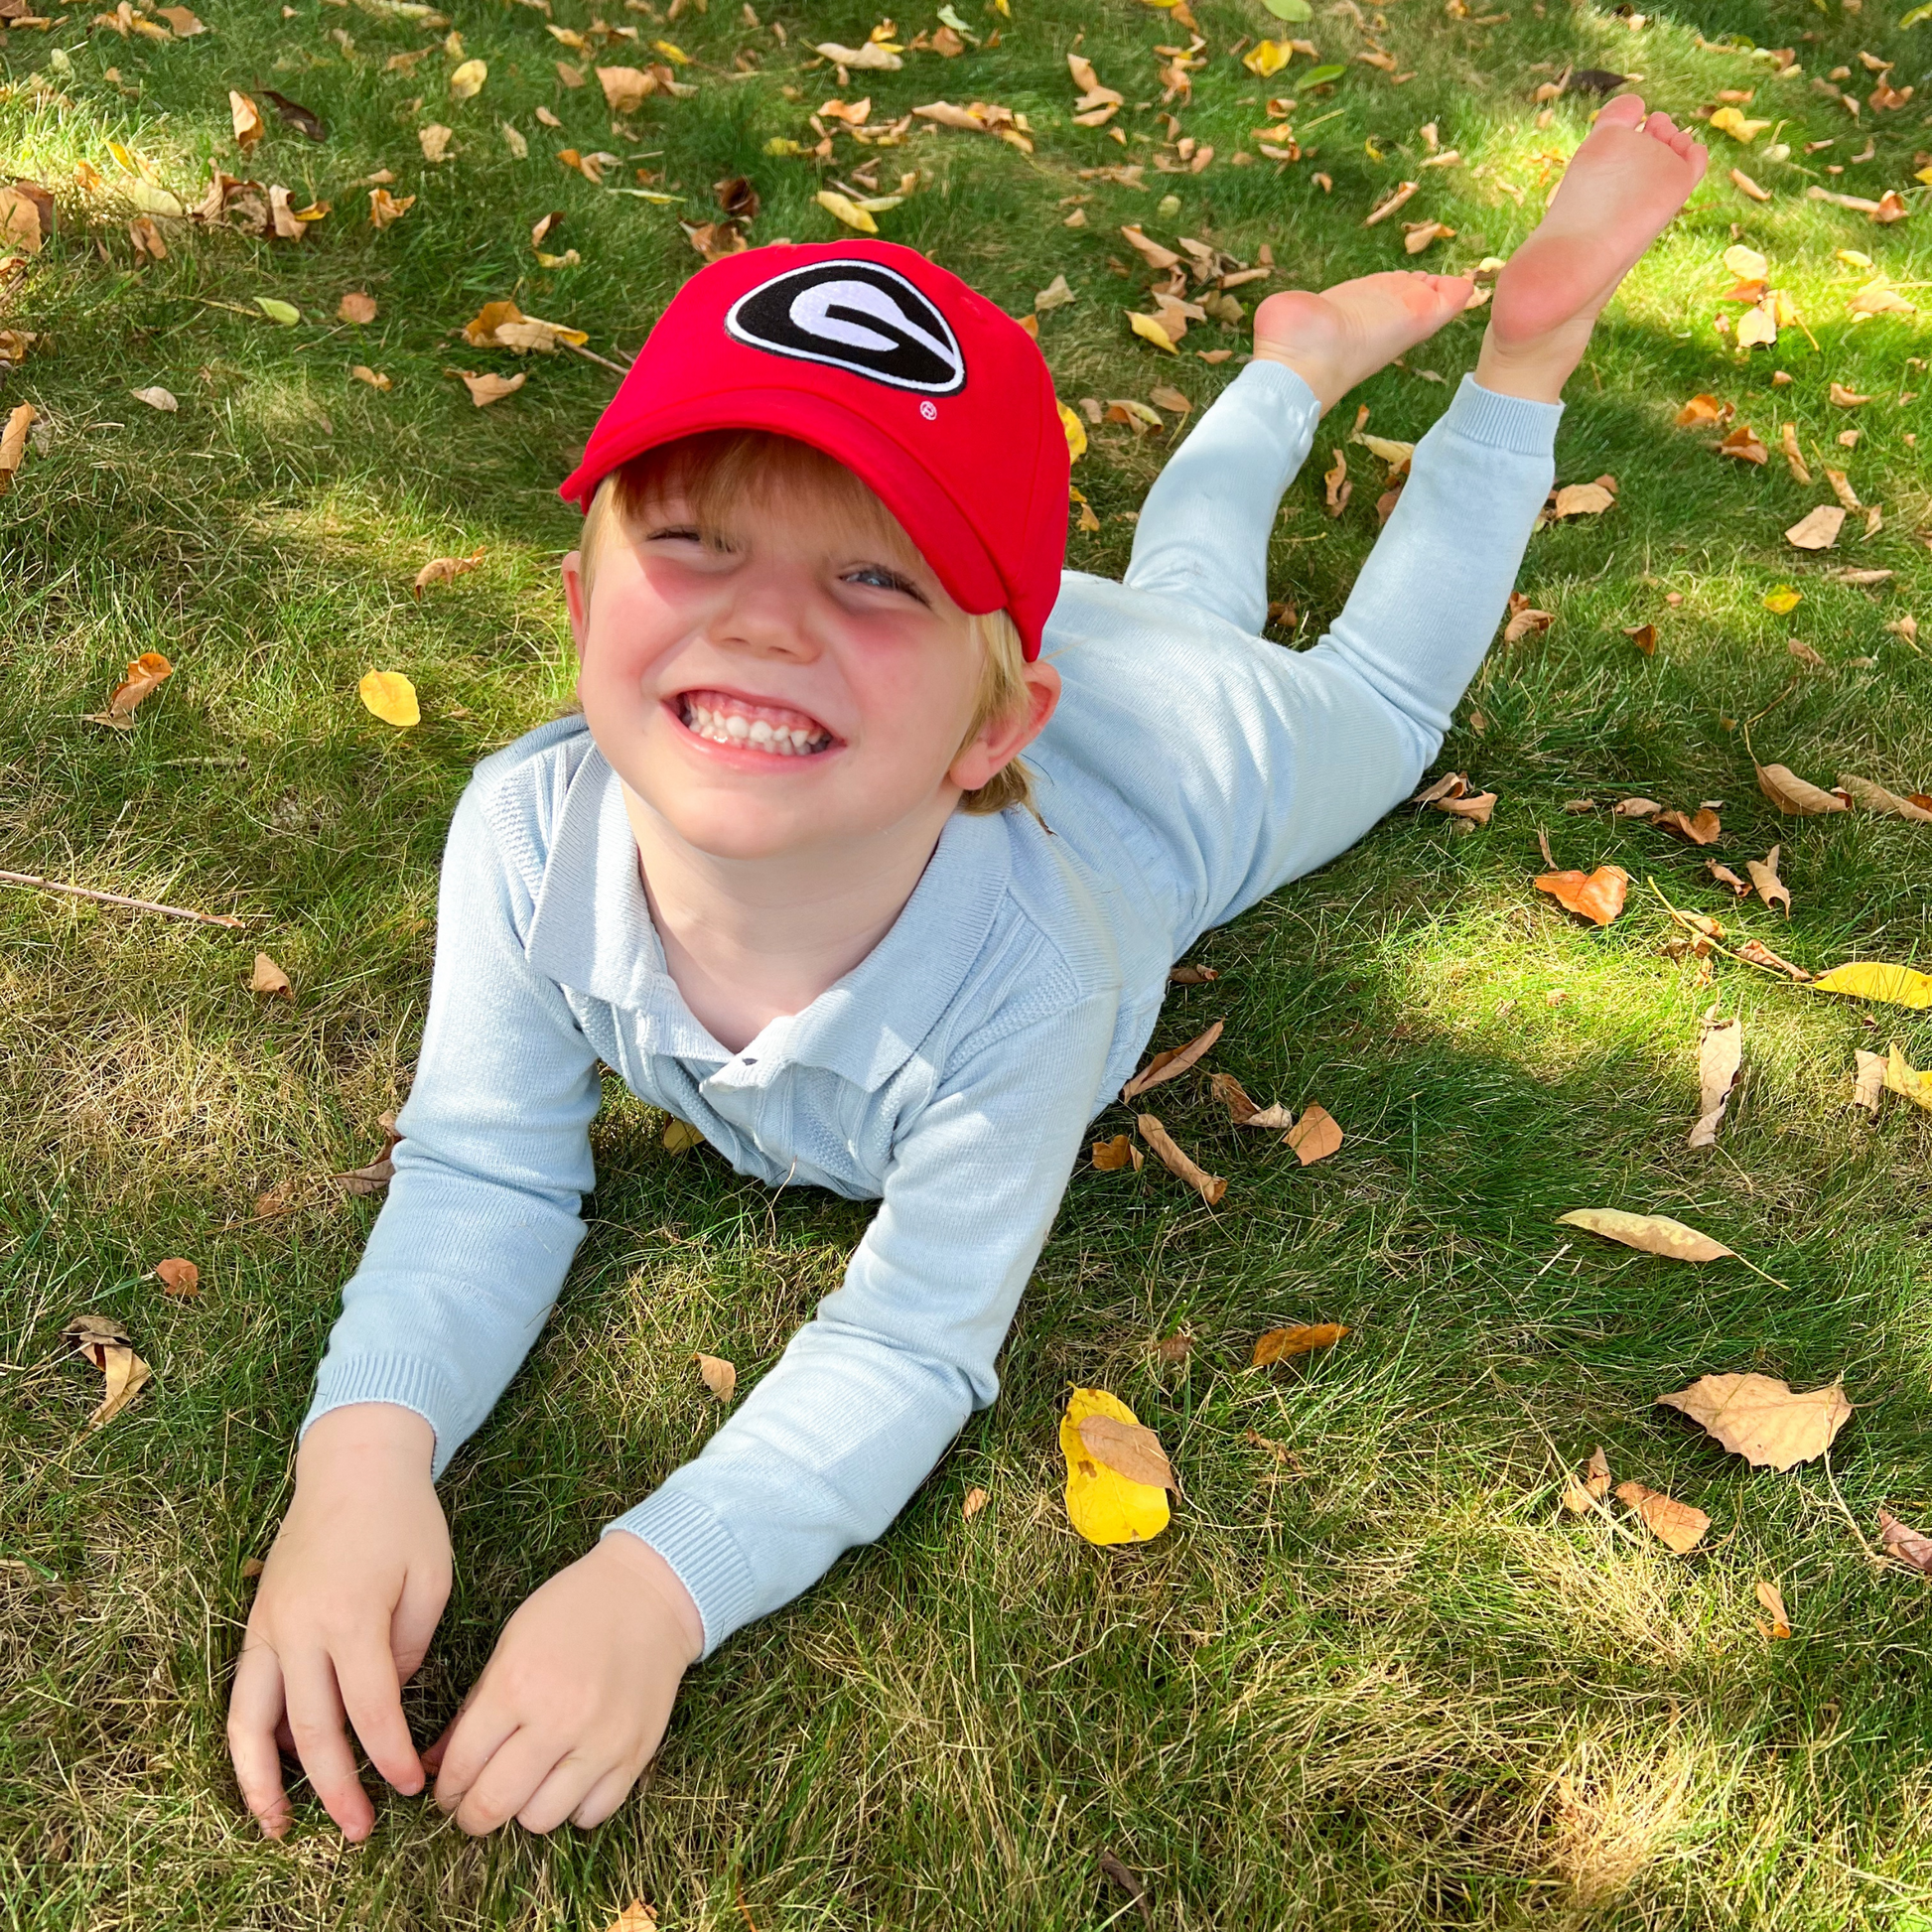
(591, 930)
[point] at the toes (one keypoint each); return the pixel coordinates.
(1660, 126)
(1625, 110)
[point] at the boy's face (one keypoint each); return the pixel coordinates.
(787, 684)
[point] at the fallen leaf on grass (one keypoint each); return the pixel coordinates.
(1795, 795)
(145, 674)
(269, 978)
(376, 381)
(1759, 954)
(146, 238)
(1898, 986)
(1705, 409)
(1337, 486)
(1150, 329)
(1211, 1187)
(1670, 1521)
(1762, 1419)
(1700, 828)
(1904, 1079)
(246, 120)
(719, 1376)
(1301, 1339)
(1187, 975)
(1723, 874)
(1783, 600)
(1176, 1060)
(1583, 500)
(434, 140)
(106, 1344)
(1241, 1109)
(680, 1136)
(1316, 1136)
(1868, 1083)
(1174, 1348)
(1110, 1157)
(1721, 1051)
(13, 442)
(355, 306)
(1591, 1487)
(486, 389)
(467, 79)
(1597, 895)
(1905, 1543)
(1644, 636)
(1105, 1506)
(1651, 1234)
(1129, 1450)
(179, 1277)
(1765, 875)
(1772, 1600)
(1524, 619)
(443, 570)
(157, 397)
(1818, 530)
(975, 1502)
(1743, 443)
(391, 697)
(1888, 804)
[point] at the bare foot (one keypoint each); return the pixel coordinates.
(1333, 341)
(1623, 186)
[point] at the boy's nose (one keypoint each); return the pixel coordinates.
(767, 616)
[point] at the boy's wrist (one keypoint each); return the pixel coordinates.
(630, 1553)
(376, 1431)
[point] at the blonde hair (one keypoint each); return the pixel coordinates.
(720, 468)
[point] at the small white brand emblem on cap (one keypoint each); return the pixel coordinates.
(929, 409)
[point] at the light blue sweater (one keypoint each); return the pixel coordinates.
(1191, 767)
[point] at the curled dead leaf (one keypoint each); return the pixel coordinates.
(443, 570)
(1128, 1448)
(1211, 1187)
(1110, 1157)
(1795, 795)
(1300, 1339)
(106, 1344)
(147, 673)
(1772, 1601)
(974, 1503)
(269, 978)
(1905, 1543)
(1165, 1066)
(1698, 828)
(1677, 1524)
(719, 1376)
(1594, 896)
(1721, 1051)
(1765, 876)
(1587, 1490)
(179, 1277)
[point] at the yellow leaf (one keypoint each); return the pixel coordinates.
(1267, 58)
(1746, 263)
(1782, 601)
(1867, 978)
(1654, 1234)
(1762, 1419)
(1103, 1505)
(845, 210)
(675, 54)
(1732, 120)
(467, 79)
(680, 1136)
(1150, 331)
(1284, 1345)
(720, 1376)
(1076, 433)
(1901, 1077)
(391, 697)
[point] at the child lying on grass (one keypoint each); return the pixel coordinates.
(777, 877)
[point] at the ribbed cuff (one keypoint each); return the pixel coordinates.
(1279, 383)
(705, 1554)
(405, 1380)
(1512, 423)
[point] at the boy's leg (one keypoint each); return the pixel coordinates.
(1203, 535)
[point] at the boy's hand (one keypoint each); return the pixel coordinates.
(573, 1703)
(348, 1602)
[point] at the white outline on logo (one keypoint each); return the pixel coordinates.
(951, 386)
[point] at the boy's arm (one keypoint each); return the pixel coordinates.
(481, 1218)
(826, 1449)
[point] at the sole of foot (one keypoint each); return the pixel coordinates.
(1621, 189)
(1335, 339)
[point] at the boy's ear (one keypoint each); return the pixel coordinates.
(577, 598)
(1003, 739)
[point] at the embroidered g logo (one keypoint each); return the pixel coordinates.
(855, 316)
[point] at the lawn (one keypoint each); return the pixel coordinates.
(1374, 1675)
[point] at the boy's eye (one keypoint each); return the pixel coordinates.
(881, 577)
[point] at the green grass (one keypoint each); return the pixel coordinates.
(1383, 1682)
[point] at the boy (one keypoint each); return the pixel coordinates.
(827, 510)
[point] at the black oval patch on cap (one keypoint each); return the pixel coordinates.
(855, 316)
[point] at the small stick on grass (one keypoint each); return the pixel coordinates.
(116, 899)
(234, 761)
(590, 355)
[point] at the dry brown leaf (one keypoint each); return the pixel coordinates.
(1644, 636)
(386, 209)
(1591, 1487)
(1583, 500)
(374, 377)
(974, 1503)
(1174, 1349)
(1765, 875)
(1700, 828)
(106, 1344)
(1905, 1543)
(13, 442)
(1847, 398)
(1703, 410)
(1191, 975)
(719, 1376)
(1772, 1600)
(1155, 255)
(1176, 1060)
(1761, 1419)
(1597, 895)
(1793, 794)
(443, 570)
(1670, 1521)
(146, 238)
(1789, 441)
(486, 389)
(680, 1136)
(1723, 874)
(1888, 804)
(1818, 530)
(1210, 1185)
(1242, 1110)
(145, 674)
(1759, 954)
(270, 979)
(1652, 1234)
(1129, 1450)
(1301, 1338)
(1720, 1055)
(179, 1277)
(1336, 485)
(1524, 619)
(1868, 1082)
(1743, 443)
(1635, 808)
(246, 119)
(1316, 1136)
(355, 306)
(1110, 1157)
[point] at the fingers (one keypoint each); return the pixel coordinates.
(501, 1787)
(571, 1781)
(255, 1726)
(432, 1756)
(468, 1747)
(603, 1798)
(365, 1676)
(315, 1715)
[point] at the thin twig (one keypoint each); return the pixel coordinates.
(1871, 1557)
(590, 355)
(236, 759)
(116, 899)
(738, 1892)
(1690, 925)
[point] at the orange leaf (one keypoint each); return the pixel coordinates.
(1282, 1344)
(1597, 895)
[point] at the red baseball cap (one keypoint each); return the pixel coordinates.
(936, 399)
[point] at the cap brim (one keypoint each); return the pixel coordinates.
(929, 514)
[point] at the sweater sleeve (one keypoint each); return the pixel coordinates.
(481, 1217)
(826, 1449)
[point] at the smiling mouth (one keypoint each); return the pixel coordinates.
(772, 729)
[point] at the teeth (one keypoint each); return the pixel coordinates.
(730, 728)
